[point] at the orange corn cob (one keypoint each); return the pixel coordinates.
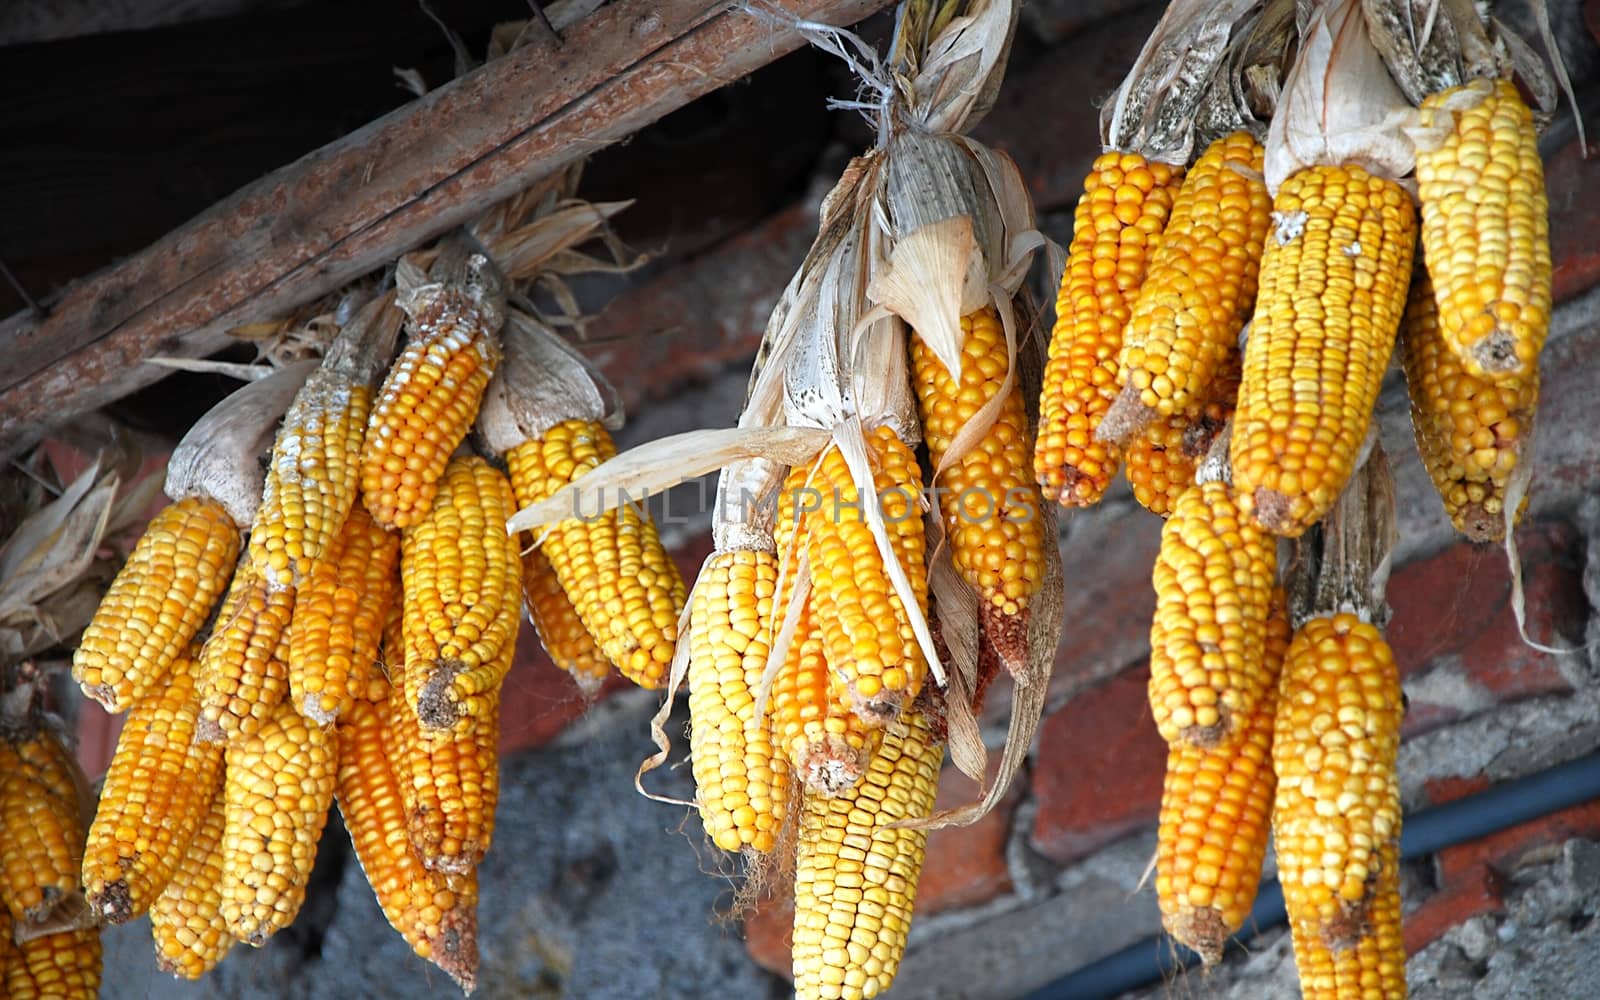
(871, 647)
(41, 829)
(435, 912)
(244, 669)
(561, 631)
(1336, 816)
(613, 567)
(155, 796)
(186, 922)
(1486, 228)
(157, 603)
(992, 513)
(1202, 282)
(1162, 461)
(1116, 229)
(1471, 431)
(1333, 287)
(61, 966)
(338, 618)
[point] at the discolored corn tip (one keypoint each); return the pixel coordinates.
(114, 904)
(831, 766)
(1201, 929)
(436, 708)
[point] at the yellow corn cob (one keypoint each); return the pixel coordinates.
(61, 966)
(992, 511)
(1333, 287)
(391, 655)
(741, 785)
(1116, 229)
(855, 877)
(41, 830)
(1336, 816)
(1470, 431)
(277, 787)
(1486, 227)
(463, 585)
(561, 631)
(871, 648)
(1213, 580)
(154, 797)
(338, 618)
(449, 781)
(1202, 281)
(1215, 813)
(435, 912)
(626, 589)
(427, 402)
(311, 478)
(244, 669)
(157, 603)
(1162, 461)
(186, 919)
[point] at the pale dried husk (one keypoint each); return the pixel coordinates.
(1341, 565)
(949, 62)
(364, 347)
(541, 381)
(221, 456)
(1243, 93)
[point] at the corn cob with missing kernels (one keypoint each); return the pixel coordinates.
(186, 922)
(1162, 461)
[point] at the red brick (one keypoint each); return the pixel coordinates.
(1574, 192)
(1472, 894)
(1503, 850)
(1100, 768)
(966, 865)
(769, 930)
(1452, 611)
(97, 735)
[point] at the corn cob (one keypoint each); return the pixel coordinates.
(462, 578)
(1116, 229)
(154, 797)
(186, 921)
(436, 913)
(561, 632)
(430, 397)
(855, 876)
(1336, 816)
(277, 787)
(41, 831)
(1470, 431)
(1213, 580)
(338, 618)
(626, 588)
(1162, 461)
(1215, 813)
(61, 966)
(1486, 227)
(244, 669)
(1201, 286)
(871, 647)
(993, 515)
(449, 781)
(157, 603)
(1333, 287)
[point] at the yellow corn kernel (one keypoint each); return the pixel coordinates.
(338, 617)
(61, 966)
(1470, 431)
(1216, 808)
(1333, 288)
(613, 567)
(435, 912)
(153, 799)
(1486, 228)
(426, 405)
(1213, 579)
(871, 648)
(277, 787)
(312, 476)
(158, 602)
(186, 919)
(41, 829)
(1116, 229)
(560, 630)
(1336, 815)
(1162, 461)
(449, 781)
(1202, 281)
(992, 510)
(244, 668)
(855, 876)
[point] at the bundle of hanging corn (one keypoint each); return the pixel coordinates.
(330, 606)
(858, 600)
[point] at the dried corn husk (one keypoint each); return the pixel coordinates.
(1341, 565)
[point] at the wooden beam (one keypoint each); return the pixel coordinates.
(357, 203)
